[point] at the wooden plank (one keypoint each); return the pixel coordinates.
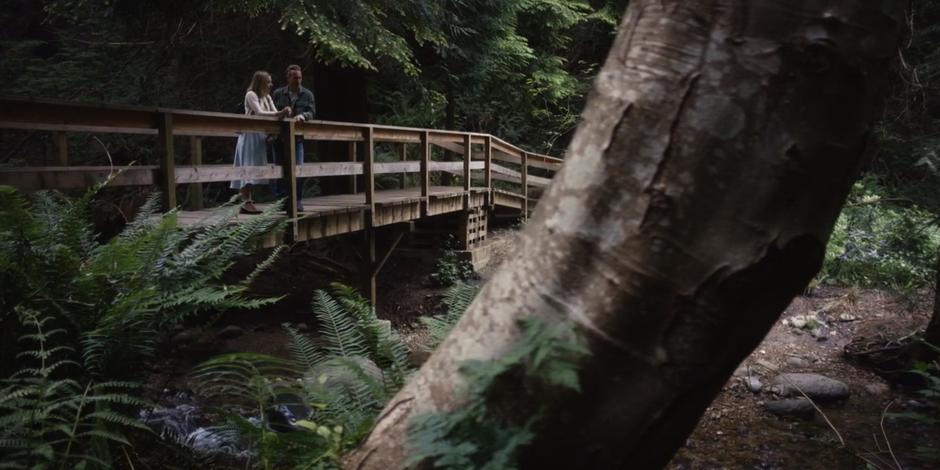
(505, 157)
(65, 116)
(450, 167)
(309, 170)
(62, 148)
(510, 149)
(37, 115)
(323, 130)
(397, 167)
(216, 173)
(166, 151)
(510, 200)
(403, 135)
(195, 158)
(289, 167)
(222, 124)
(76, 177)
(506, 174)
(368, 161)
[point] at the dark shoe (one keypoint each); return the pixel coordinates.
(249, 208)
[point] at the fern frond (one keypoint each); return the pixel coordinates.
(339, 334)
(457, 299)
(106, 435)
(148, 215)
(245, 377)
(354, 303)
(302, 349)
(263, 266)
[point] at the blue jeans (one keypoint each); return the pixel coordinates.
(277, 185)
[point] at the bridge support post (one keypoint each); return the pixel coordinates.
(195, 157)
(488, 170)
(525, 186)
(425, 153)
(402, 156)
(377, 257)
(166, 151)
(368, 171)
(352, 158)
(289, 167)
(467, 154)
(61, 147)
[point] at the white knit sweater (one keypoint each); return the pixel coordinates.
(260, 106)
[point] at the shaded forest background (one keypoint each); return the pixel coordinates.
(519, 69)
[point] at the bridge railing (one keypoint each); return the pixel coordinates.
(481, 153)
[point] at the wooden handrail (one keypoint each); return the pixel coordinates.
(60, 117)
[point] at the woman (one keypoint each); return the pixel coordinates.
(251, 148)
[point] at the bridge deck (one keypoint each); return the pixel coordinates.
(326, 216)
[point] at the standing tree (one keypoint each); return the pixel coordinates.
(715, 152)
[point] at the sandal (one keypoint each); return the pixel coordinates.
(249, 208)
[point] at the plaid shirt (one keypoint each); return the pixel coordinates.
(303, 102)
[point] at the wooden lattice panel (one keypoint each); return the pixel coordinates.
(473, 230)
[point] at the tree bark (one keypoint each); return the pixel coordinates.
(696, 200)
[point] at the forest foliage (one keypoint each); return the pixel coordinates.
(83, 315)
(519, 69)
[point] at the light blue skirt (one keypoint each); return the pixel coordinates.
(250, 150)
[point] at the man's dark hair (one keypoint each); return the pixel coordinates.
(292, 67)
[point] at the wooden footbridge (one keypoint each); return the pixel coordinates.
(485, 159)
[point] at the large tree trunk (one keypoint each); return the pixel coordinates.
(696, 201)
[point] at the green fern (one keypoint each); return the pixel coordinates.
(121, 297)
(384, 344)
(92, 309)
(339, 332)
(457, 299)
(46, 420)
(344, 376)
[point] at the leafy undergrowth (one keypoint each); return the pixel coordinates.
(84, 318)
(879, 243)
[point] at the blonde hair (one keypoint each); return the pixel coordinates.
(258, 81)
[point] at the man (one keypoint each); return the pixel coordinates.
(303, 108)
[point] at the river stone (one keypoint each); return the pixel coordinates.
(796, 362)
(821, 333)
(815, 386)
(797, 407)
(230, 332)
(754, 384)
(185, 337)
